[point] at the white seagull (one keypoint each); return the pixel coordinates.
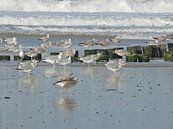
(90, 58)
(44, 38)
(27, 66)
(115, 65)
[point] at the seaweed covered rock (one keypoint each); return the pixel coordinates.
(168, 56)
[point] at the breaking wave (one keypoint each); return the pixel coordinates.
(88, 6)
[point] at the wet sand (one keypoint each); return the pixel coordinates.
(137, 97)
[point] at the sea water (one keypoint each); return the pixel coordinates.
(136, 97)
(139, 19)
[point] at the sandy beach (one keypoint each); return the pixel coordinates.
(136, 97)
(109, 64)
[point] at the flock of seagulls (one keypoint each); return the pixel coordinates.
(63, 58)
(105, 42)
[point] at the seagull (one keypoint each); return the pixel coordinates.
(70, 52)
(109, 41)
(10, 41)
(105, 42)
(63, 43)
(53, 59)
(121, 52)
(159, 39)
(27, 66)
(44, 38)
(21, 54)
(97, 56)
(14, 48)
(88, 43)
(68, 43)
(90, 58)
(41, 49)
(116, 39)
(115, 65)
(46, 44)
(60, 43)
(64, 61)
(169, 36)
(66, 83)
(32, 53)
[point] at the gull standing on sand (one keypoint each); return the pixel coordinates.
(90, 58)
(40, 49)
(21, 54)
(159, 39)
(169, 36)
(64, 43)
(110, 41)
(10, 41)
(88, 43)
(47, 44)
(68, 43)
(115, 65)
(53, 59)
(105, 42)
(116, 39)
(64, 61)
(32, 53)
(44, 38)
(123, 53)
(70, 52)
(27, 66)
(14, 48)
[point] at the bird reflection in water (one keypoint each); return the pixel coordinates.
(67, 103)
(89, 71)
(27, 81)
(51, 73)
(114, 83)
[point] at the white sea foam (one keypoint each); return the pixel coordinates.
(86, 19)
(130, 18)
(126, 33)
(88, 6)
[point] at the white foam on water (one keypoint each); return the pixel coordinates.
(86, 19)
(126, 33)
(131, 18)
(88, 6)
